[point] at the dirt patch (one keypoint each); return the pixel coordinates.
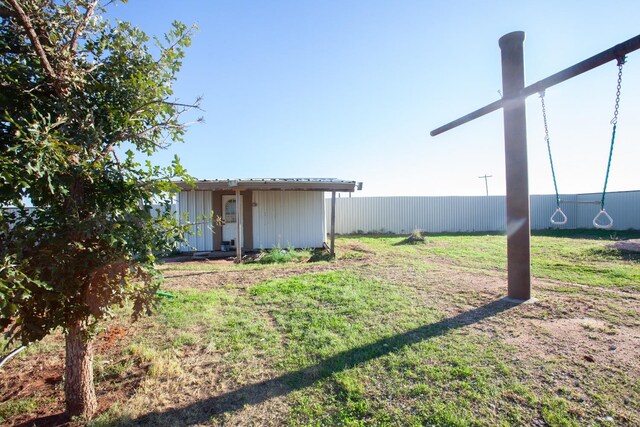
(356, 247)
(577, 339)
(109, 337)
(241, 278)
(36, 375)
(40, 376)
(573, 323)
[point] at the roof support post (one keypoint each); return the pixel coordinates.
(333, 224)
(515, 140)
(239, 225)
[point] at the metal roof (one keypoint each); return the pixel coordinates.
(264, 184)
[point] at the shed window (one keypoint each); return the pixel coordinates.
(230, 211)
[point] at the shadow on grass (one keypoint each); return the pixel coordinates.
(195, 273)
(426, 234)
(54, 420)
(319, 255)
(589, 233)
(203, 411)
(410, 242)
(619, 254)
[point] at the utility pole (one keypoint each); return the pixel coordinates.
(486, 185)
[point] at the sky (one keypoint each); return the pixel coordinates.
(351, 90)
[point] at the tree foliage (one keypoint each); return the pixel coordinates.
(81, 99)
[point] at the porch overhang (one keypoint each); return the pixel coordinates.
(269, 184)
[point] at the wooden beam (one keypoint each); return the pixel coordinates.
(333, 224)
(515, 145)
(616, 52)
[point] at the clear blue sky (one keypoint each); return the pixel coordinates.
(351, 89)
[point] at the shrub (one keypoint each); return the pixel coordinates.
(415, 237)
(278, 255)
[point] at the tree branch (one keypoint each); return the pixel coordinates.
(115, 156)
(108, 149)
(80, 28)
(175, 43)
(141, 108)
(139, 136)
(31, 33)
(167, 124)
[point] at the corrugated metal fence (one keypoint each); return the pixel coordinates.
(475, 213)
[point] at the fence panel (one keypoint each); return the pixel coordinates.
(474, 213)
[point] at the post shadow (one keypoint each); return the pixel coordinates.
(202, 411)
(200, 273)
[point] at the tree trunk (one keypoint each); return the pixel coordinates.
(79, 392)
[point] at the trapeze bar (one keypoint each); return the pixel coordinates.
(618, 51)
(580, 202)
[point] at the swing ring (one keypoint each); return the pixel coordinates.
(563, 218)
(607, 217)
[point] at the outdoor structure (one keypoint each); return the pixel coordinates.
(515, 141)
(252, 214)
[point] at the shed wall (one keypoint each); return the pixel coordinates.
(288, 218)
(206, 232)
(195, 207)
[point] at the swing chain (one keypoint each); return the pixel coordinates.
(547, 139)
(621, 62)
(614, 122)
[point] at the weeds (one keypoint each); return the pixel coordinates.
(415, 237)
(17, 407)
(277, 255)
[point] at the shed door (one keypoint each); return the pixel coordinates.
(230, 219)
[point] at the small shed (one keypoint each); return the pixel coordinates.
(259, 213)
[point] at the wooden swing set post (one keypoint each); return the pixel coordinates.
(515, 136)
(515, 149)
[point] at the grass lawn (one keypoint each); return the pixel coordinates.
(388, 334)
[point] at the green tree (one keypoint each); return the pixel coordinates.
(81, 98)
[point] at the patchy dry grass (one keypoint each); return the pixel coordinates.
(586, 259)
(389, 334)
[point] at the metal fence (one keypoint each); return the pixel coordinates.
(475, 213)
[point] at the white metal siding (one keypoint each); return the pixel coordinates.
(288, 218)
(474, 213)
(194, 207)
(431, 214)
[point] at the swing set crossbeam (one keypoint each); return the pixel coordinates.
(614, 53)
